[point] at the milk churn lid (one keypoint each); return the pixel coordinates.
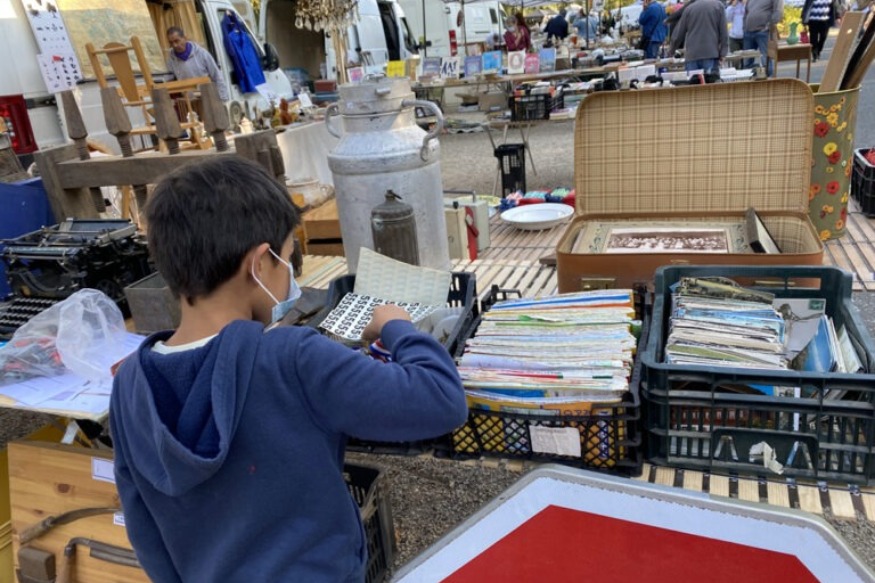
(393, 208)
(375, 94)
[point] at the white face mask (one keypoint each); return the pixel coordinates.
(280, 309)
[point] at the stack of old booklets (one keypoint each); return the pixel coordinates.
(553, 355)
(715, 322)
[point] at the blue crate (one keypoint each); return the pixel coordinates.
(24, 207)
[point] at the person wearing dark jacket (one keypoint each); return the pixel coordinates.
(760, 18)
(229, 433)
(819, 16)
(653, 28)
(704, 34)
(557, 27)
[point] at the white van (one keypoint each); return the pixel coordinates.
(437, 25)
(380, 35)
(21, 76)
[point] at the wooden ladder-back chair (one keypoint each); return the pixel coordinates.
(139, 95)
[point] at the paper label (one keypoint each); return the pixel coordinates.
(555, 440)
(267, 92)
(304, 99)
(102, 470)
(118, 519)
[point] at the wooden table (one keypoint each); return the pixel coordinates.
(797, 52)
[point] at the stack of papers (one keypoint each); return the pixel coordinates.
(719, 331)
(551, 356)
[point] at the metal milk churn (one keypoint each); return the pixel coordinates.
(393, 229)
(381, 148)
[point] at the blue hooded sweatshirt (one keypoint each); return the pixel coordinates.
(229, 457)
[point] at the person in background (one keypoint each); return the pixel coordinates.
(761, 19)
(587, 27)
(516, 38)
(735, 17)
(229, 432)
(557, 27)
(703, 33)
(819, 16)
(521, 24)
(653, 28)
(189, 60)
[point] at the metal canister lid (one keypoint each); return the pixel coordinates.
(392, 209)
(374, 95)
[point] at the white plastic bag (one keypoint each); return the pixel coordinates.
(83, 334)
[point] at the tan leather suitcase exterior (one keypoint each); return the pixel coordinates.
(690, 154)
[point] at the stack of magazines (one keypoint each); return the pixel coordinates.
(554, 355)
(719, 324)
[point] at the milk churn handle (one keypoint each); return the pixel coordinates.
(331, 111)
(423, 153)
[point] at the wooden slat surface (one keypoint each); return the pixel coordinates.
(513, 263)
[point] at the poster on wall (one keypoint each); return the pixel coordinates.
(104, 21)
(57, 60)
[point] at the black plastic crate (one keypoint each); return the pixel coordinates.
(610, 434)
(462, 292)
(512, 163)
(534, 107)
(367, 485)
(695, 418)
(863, 182)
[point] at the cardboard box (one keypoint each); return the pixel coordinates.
(492, 101)
(691, 153)
(457, 232)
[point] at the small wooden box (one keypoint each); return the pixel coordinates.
(322, 230)
(47, 479)
(699, 153)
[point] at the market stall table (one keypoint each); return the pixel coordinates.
(305, 150)
(797, 52)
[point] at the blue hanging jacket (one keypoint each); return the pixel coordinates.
(243, 53)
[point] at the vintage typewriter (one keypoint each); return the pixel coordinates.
(48, 265)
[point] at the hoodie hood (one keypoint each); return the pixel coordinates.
(182, 415)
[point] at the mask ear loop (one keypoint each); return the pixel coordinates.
(259, 282)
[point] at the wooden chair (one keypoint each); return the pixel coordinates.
(138, 95)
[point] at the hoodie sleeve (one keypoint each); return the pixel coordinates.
(141, 528)
(418, 396)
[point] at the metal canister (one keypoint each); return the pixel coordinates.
(393, 228)
(381, 147)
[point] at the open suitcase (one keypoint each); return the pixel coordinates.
(675, 161)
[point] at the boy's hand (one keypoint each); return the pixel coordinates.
(382, 315)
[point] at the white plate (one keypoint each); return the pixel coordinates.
(538, 216)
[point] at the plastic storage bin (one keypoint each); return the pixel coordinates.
(368, 488)
(462, 292)
(24, 207)
(152, 305)
(610, 435)
(512, 165)
(691, 421)
(534, 107)
(863, 182)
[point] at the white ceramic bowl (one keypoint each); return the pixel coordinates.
(536, 217)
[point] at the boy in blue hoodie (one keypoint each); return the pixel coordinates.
(229, 437)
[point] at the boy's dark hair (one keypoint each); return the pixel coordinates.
(203, 218)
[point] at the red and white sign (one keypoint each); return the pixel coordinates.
(559, 524)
